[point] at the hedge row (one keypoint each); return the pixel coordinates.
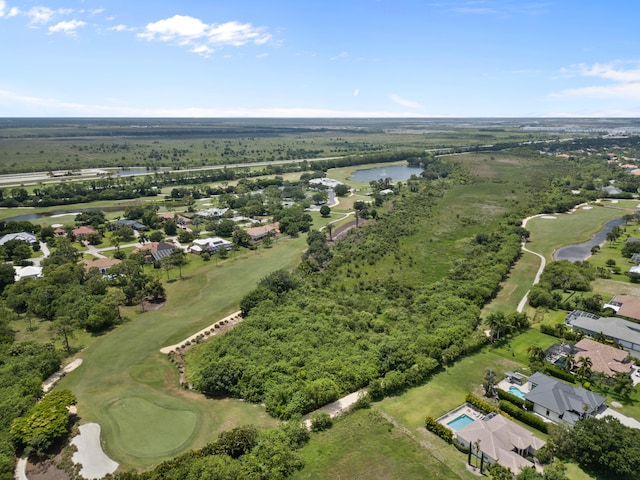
(525, 417)
(443, 432)
(559, 373)
(482, 405)
(510, 397)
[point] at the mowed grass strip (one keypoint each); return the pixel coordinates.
(364, 445)
(125, 365)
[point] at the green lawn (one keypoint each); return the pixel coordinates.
(132, 391)
(518, 283)
(549, 234)
(364, 445)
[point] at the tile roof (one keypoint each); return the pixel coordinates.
(604, 358)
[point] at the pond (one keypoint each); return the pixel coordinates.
(581, 251)
(27, 217)
(397, 173)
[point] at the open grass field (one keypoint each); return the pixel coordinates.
(364, 445)
(132, 391)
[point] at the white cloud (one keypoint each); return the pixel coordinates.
(623, 83)
(67, 27)
(202, 50)
(40, 15)
(3, 5)
(13, 12)
(120, 28)
(356, 92)
(404, 102)
(340, 55)
(189, 31)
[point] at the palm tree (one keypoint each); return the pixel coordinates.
(489, 383)
(497, 323)
(330, 229)
(584, 370)
(536, 353)
(569, 362)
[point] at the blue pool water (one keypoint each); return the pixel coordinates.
(460, 422)
(516, 391)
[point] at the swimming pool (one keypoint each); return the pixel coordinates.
(460, 422)
(516, 391)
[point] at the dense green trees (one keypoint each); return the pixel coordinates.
(600, 444)
(339, 327)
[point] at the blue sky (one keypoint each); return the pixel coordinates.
(347, 58)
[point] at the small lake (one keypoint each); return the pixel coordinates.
(397, 173)
(27, 217)
(580, 251)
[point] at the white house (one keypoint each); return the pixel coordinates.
(211, 244)
(560, 402)
(27, 272)
(325, 182)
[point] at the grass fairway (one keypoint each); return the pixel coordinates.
(518, 283)
(549, 234)
(364, 445)
(127, 386)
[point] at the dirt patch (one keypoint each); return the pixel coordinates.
(147, 306)
(340, 232)
(46, 469)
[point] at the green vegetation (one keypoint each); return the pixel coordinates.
(396, 304)
(365, 444)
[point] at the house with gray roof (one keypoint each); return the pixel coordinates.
(561, 402)
(22, 236)
(621, 331)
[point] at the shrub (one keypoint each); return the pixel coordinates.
(460, 447)
(559, 373)
(320, 421)
(480, 404)
(510, 397)
(525, 417)
(440, 430)
(364, 401)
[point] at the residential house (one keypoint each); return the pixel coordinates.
(623, 332)
(60, 232)
(212, 212)
(625, 306)
(604, 358)
(29, 238)
(156, 251)
(102, 264)
(211, 245)
(258, 233)
(325, 182)
(82, 233)
(501, 441)
(561, 402)
(123, 222)
(27, 272)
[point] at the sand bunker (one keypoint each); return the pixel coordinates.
(95, 463)
(588, 207)
(548, 217)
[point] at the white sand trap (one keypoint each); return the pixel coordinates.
(57, 225)
(614, 201)
(588, 207)
(548, 217)
(64, 214)
(95, 463)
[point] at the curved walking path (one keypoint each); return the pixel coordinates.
(21, 466)
(232, 320)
